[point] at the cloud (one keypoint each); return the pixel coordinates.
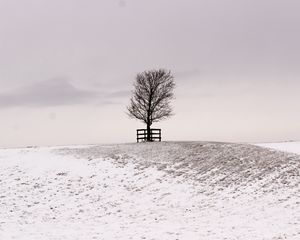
(55, 92)
(122, 3)
(119, 94)
(187, 74)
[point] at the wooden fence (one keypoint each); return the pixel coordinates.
(155, 135)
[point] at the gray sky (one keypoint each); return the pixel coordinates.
(67, 67)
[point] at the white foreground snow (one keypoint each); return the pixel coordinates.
(45, 195)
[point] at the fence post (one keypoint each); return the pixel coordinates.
(160, 135)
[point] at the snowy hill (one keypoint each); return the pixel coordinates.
(292, 147)
(173, 190)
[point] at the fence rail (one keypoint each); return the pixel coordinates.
(155, 135)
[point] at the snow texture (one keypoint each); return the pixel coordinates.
(180, 190)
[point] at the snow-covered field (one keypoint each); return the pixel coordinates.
(175, 190)
(292, 147)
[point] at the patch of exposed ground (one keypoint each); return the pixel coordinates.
(214, 164)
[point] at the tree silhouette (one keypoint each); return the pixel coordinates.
(153, 91)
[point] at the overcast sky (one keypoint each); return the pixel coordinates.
(67, 67)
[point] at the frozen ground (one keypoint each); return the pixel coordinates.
(150, 191)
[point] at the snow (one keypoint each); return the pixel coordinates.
(292, 147)
(149, 191)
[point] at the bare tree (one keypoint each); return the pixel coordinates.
(153, 91)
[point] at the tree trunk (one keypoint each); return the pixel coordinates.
(148, 133)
